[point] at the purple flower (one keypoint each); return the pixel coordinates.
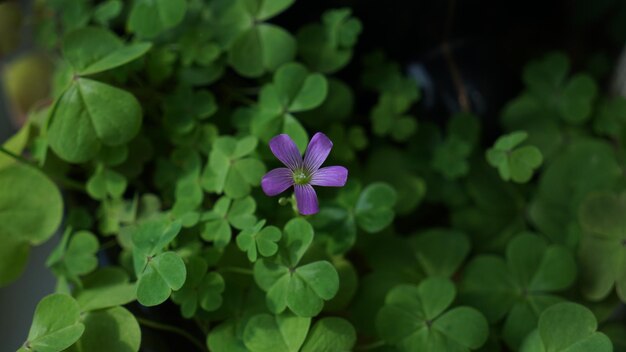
(303, 174)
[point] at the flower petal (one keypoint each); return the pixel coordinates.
(277, 181)
(286, 151)
(331, 176)
(306, 199)
(317, 151)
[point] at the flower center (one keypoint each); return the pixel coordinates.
(301, 177)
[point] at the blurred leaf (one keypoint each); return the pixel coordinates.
(112, 329)
(567, 327)
(92, 50)
(520, 288)
(149, 18)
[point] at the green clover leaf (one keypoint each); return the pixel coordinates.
(280, 333)
(90, 114)
(259, 239)
(107, 11)
(106, 182)
(327, 47)
(226, 213)
(149, 18)
(185, 108)
(231, 169)
(303, 289)
(201, 288)
(610, 116)
(75, 256)
(415, 318)
(513, 163)
(112, 329)
(56, 325)
(158, 273)
(521, 287)
(105, 288)
(451, 156)
(92, 50)
(162, 274)
(151, 236)
(390, 117)
(572, 99)
(371, 209)
(567, 327)
(31, 209)
(292, 90)
(260, 47)
(602, 245)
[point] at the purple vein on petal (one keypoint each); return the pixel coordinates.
(277, 181)
(286, 151)
(306, 199)
(330, 176)
(317, 151)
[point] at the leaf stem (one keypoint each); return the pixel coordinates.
(14, 156)
(236, 270)
(164, 327)
(371, 346)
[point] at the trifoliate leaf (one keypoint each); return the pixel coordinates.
(514, 163)
(567, 327)
(281, 333)
(149, 18)
(570, 99)
(162, 274)
(327, 47)
(259, 239)
(56, 324)
(293, 90)
(75, 255)
(303, 289)
(90, 114)
(260, 47)
(521, 287)
(201, 289)
(91, 50)
(229, 170)
(106, 182)
(415, 318)
(226, 213)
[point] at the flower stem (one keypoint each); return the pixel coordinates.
(164, 327)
